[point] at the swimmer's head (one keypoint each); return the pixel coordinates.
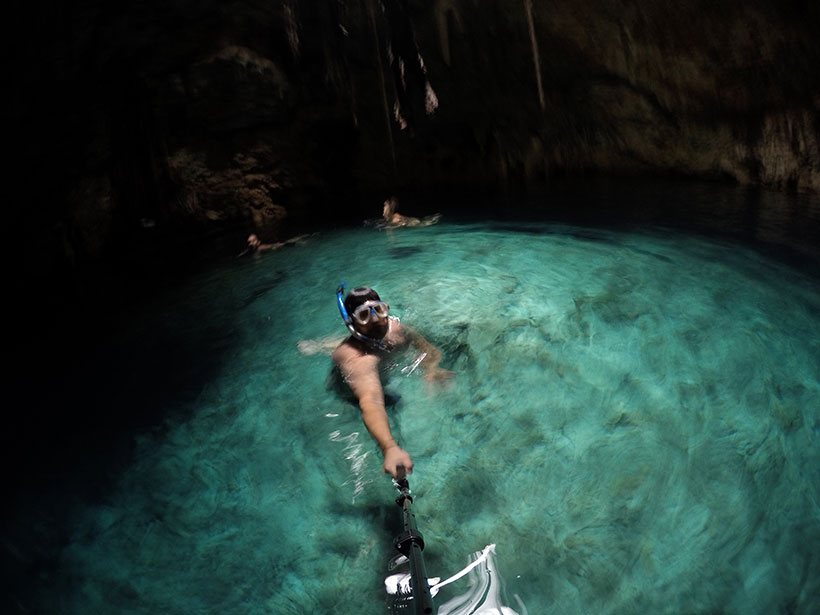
(376, 322)
(390, 206)
(357, 296)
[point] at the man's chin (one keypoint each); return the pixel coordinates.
(378, 333)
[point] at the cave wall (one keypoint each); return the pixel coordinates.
(152, 122)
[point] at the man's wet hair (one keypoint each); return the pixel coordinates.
(359, 295)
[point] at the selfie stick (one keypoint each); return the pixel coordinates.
(410, 543)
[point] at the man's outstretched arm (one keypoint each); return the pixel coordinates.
(361, 374)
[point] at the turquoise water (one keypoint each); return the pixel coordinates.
(634, 422)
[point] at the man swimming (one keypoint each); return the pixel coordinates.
(256, 245)
(393, 219)
(373, 335)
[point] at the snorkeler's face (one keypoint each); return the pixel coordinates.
(377, 323)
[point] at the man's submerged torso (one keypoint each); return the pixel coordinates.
(395, 356)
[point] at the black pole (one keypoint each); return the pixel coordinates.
(410, 543)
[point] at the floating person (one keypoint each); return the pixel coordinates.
(374, 335)
(255, 245)
(393, 219)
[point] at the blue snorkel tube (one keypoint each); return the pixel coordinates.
(340, 302)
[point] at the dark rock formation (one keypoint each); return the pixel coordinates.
(158, 123)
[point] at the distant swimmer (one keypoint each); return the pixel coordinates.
(393, 219)
(256, 245)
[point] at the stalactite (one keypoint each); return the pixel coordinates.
(372, 12)
(444, 9)
(413, 90)
(535, 58)
(292, 27)
(339, 11)
(327, 23)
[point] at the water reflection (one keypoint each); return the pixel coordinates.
(783, 225)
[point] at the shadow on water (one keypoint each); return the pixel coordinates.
(81, 400)
(400, 252)
(262, 288)
(71, 430)
(782, 226)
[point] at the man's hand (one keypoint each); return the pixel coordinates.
(394, 456)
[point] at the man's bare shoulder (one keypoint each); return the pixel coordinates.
(344, 352)
(356, 365)
(348, 352)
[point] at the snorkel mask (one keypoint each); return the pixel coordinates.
(368, 307)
